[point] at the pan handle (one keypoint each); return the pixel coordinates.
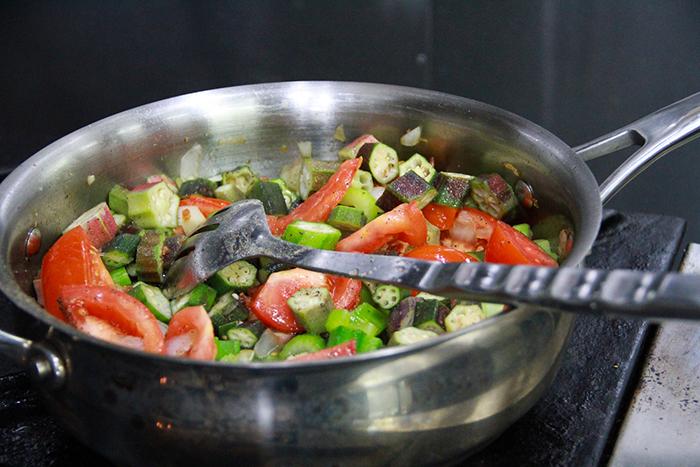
(44, 365)
(657, 134)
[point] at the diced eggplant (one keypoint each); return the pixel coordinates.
(493, 195)
(270, 194)
(154, 206)
(559, 231)
(314, 174)
(243, 178)
(402, 315)
(149, 256)
(430, 310)
(171, 248)
(419, 165)
(381, 160)
(405, 189)
(452, 189)
(98, 223)
(351, 150)
(346, 218)
(120, 251)
(199, 186)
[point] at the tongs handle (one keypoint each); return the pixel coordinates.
(635, 294)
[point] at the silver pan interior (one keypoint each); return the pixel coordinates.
(465, 388)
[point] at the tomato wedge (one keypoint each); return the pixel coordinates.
(440, 216)
(346, 292)
(72, 260)
(111, 314)
(405, 222)
(442, 254)
(190, 334)
(318, 206)
(270, 303)
(207, 205)
(509, 246)
(346, 349)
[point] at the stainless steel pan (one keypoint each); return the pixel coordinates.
(421, 404)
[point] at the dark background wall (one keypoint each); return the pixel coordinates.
(578, 67)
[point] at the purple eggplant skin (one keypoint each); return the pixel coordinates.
(525, 194)
(402, 315)
(171, 248)
(493, 195)
(442, 313)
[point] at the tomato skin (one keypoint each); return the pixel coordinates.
(405, 222)
(346, 292)
(442, 254)
(112, 314)
(72, 260)
(190, 334)
(270, 302)
(508, 246)
(208, 206)
(319, 205)
(346, 349)
(440, 216)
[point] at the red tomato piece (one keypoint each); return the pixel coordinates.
(319, 205)
(346, 292)
(270, 302)
(405, 222)
(442, 254)
(508, 246)
(346, 349)
(440, 216)
(72, 260)
(207, 205)
(190, 334)
(111, 314)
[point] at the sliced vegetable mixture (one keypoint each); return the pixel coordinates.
(104, 274)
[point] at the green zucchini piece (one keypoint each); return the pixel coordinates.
(154, 207)
(428, 296)
(547, 248)
(303, 343)
(462, 316)
(362, 179)
(452, 189)
(492, 309)
(405, 189)
(386, 296)
(433, 237)
(291, 174)
(410, 335)
(244, 356)
(238, 276)
(120, 276)
(199, 186)
(270, 194)
(243, 178)
(431, 326)
(149, 256)
(362, 200)
(227, 309)
(346, 218)
(559, 231)
(290, 197)
(524, 229)
(419, 165)
(311, 307)
(229, 192)
(244, 336)
(430, 310)
(120, 251)
(351, 150)
(117, 200)
(312, 234)
(226, 348)
(154, 300)
(382, 161)
(202, 294)
(493, 195)
(314, 174)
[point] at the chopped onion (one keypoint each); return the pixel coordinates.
(90, 179)
(270, 341)
(190, 162)
(412, 137)
(340, 133)
(304, 148)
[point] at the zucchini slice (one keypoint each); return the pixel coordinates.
(405, 189)
(120, 251)
(419, 165)
(493, 195)
(154, 300)
(452, 189)
(346, 218)
(199, 186)
(271, 196)
(382, 161)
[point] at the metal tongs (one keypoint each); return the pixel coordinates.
(240, 231)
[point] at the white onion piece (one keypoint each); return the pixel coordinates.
(190, 218)
(304, 148)
(412, 137)
(270, 341)
(469, 228)
(377, 192)
(339, 134)
(190, 163)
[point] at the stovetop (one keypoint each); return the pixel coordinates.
(575, 423)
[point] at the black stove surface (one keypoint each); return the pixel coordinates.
(573, 424)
